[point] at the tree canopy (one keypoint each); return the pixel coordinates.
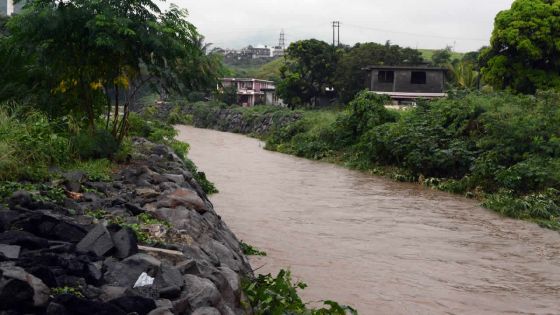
(308, 71)
(525, 47)
(82, 57)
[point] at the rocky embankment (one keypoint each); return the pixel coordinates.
(232, 119)
(86, 256)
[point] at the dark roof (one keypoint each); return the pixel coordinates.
(421, 67)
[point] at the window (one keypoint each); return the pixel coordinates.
(418, 77)
(386, 76)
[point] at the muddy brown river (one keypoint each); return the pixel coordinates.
(380, 246)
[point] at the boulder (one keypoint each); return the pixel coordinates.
(109, 292)
(97, 241)
(161, 311)
(21, 198)
(126, 273)
(125, 243)
(10, 251)
(201, 292)
(146, 193)
(134, 304)
(169, 276)
(206, 311)
(40, 291)
(15, 293)
(73, 180)
(23, 239)
(233, 279)
(183, 197)
(6, 219)
(51, 227)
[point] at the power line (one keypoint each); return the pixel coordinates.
(416, 34)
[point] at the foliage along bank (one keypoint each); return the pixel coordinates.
(502, 149)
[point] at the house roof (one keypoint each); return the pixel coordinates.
(420, 67)
(408, 95)
(245, 80)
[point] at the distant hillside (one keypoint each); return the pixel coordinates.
(428, 53)
(268, 71)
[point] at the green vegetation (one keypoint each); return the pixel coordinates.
(40, 192)
(250, 250)
(427, 54)
(268, 71)
(308, 71)
(278, 295)
(30, 143)
(523, 56)
(500, 148)
(67, 290)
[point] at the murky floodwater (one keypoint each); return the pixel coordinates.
(381, 246)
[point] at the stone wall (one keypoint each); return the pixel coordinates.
(232, 119)
(83, 256)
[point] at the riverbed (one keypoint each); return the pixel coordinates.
(378, 245)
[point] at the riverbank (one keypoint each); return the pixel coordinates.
(499, 149)
(146, 240)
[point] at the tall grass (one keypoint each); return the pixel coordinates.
(30, 144)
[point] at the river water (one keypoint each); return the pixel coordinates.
(380, 246)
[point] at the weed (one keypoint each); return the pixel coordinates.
(278, 295)
(67, 290)
(250, 250)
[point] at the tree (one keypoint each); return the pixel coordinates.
(349, 76)
(84, 57)
(308, 71)
(464, 75)
(524, 52)
(442, 57)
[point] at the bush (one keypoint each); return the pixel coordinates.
(100, 145)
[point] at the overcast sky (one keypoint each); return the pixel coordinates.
(467, 25)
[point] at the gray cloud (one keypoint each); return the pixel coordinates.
(423, 24)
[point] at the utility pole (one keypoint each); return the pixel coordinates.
(335, 39)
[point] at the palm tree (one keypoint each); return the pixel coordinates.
(464, 75)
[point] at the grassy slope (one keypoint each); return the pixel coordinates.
(428, 53)
(268, 71)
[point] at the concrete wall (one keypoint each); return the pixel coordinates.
(402, 82)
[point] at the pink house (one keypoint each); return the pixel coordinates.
(251, 92)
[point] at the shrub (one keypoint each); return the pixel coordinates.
(100, 145)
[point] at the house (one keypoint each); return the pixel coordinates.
(251, 92)
(406, 83)
(7, 7)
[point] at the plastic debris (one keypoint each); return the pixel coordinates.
(144, 280)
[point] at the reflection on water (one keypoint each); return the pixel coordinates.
(380, 246)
